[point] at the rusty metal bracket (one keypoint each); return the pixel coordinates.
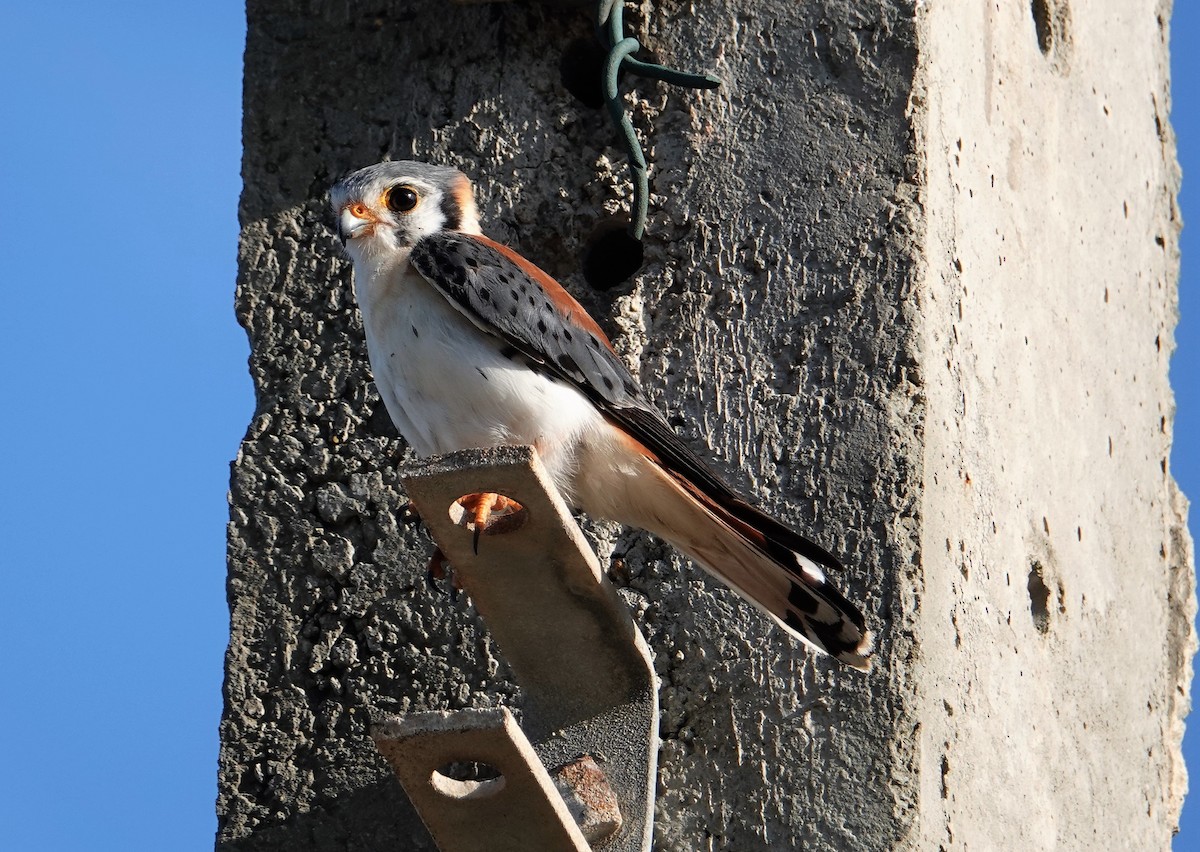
(584, 669)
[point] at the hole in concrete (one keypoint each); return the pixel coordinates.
(1042, 23)
(1052, 22)
(467, 779)
(582, 67)
(1039, 598)
(612, 255)
(496, 513)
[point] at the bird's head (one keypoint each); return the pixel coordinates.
(384, 209)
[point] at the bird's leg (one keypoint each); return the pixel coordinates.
(481, 509)
(439, 569)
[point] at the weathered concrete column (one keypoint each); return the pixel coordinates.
(910, 273)
(1055, 622)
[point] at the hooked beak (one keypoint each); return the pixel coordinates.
(355, 220)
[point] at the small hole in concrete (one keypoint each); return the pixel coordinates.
(1043, 23)
(1052, 23)
(467, 779)
(499, 513)
(582, 67)
(612, 256)
(1039, 598)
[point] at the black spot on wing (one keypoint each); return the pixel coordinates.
(503, 300)
(807, 599)
(802, 599)
(568, 363)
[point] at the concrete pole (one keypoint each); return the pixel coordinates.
(910, 274)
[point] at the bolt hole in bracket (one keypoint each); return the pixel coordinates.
(579, 773)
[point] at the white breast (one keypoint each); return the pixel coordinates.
(447, 385)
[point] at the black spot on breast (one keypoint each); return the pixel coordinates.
(473, 263)
(482, 373)
(567, 334)
(414, 331)
(532, 302)
(512, 312)
(485, 294)
(513, 294)
(542, 326)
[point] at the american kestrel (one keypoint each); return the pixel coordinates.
(474, 346)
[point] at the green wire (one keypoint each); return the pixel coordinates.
(610, 17)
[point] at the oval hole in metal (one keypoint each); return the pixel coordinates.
(502, 513)
(467, 780)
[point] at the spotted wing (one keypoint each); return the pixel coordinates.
(508, 297)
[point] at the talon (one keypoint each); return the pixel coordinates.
(409, 515)
(484, 510)
(437, 569)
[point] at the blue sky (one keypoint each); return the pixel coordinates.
(127, 393)
(1185, 364)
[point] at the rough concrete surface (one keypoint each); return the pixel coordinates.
(910, 274)
(1056, 619)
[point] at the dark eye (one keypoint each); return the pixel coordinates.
(402, 199)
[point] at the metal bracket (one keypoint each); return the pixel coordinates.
(584, 669)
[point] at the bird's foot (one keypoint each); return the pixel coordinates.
(486, 510)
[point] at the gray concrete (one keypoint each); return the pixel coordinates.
(909, 275)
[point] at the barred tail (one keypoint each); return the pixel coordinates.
(768, 564)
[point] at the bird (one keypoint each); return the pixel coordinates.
(472, 345)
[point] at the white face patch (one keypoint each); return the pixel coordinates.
(424, 219)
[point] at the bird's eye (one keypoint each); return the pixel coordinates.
(401, 199)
